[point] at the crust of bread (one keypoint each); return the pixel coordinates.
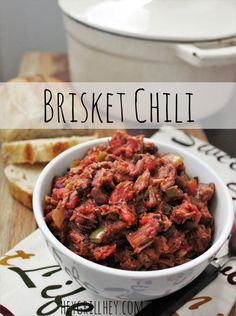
(9, 135)
(21, 180)
(39, 150)
(20, 195)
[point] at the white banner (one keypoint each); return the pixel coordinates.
(55, 105)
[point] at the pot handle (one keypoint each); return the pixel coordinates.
(206, 57)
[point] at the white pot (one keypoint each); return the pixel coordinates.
(149, 42)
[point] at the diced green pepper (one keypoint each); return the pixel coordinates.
(167, 209)
(177, 160)
(173, 192)
(97, 235)
(101, 156)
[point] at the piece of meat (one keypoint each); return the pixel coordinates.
(184, 212)
(161, 245)
(163, 220)
(103, 177)
(114, 230)
(59, 182)
(123, 192)
(147, 162)
(126, 260)
(205, 192)
(126, 212)
(99, 196)
(200, 239)
(86, 221)
(170, 260)
(147, 258)
(81, 184)
(89, 207)
(143, 236)
(89, 159)
(142, 182)
(50, 204)
(166, 175)
(126, 145)
(136, 169)
(175, 241)
(72, 200)
(60, 194)
(121, 171)
(184, 249)
(79, 242)
(102, 252)
(151, 162)
(206, 218)
(151, 197)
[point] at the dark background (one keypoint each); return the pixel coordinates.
(224, 139)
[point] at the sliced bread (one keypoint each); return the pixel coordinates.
(21, 106)
(9, 135)
(39, 150)
(21, 179)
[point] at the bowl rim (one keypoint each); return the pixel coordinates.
(208, 254)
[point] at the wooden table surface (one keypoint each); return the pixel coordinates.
(16, 221)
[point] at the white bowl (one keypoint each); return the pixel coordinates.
(133, 285)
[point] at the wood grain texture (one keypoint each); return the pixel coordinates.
(16, 221)
(47, 64)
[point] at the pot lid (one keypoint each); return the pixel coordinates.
(167, 20)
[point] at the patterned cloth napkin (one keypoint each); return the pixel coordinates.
(31, 283)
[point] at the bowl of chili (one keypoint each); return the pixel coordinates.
(130, 218)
